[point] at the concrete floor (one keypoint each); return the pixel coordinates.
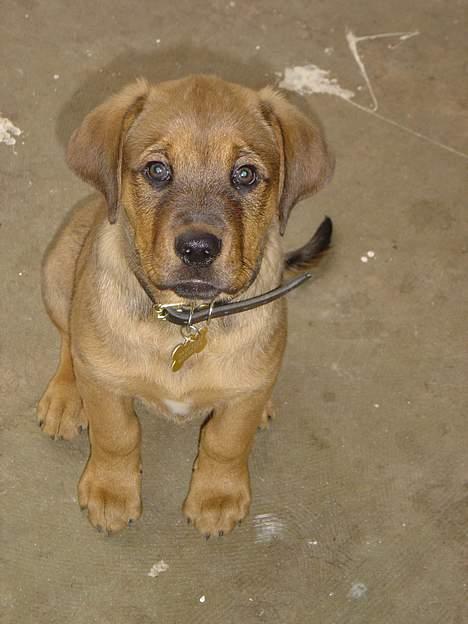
(360, 487)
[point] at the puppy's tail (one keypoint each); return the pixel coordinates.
(306, 256)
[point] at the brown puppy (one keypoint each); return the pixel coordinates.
(198, 177)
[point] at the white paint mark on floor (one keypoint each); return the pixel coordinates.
(267, 528)
(157, 568)
(353, 46)
(357, 591)
(8, 131)
(311, 79)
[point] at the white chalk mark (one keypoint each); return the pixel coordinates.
(8, 131)
(402, 35)
(311, 79)
(409, 130)
(352, 43)
(157, 568)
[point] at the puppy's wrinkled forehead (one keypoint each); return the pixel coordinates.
(202, 122)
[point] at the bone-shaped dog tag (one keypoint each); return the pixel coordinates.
(194, 343)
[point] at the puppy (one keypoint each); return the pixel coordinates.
(198, 177)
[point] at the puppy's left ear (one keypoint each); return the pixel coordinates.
(96, 147)
(306, 164)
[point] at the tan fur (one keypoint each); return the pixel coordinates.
(113, 349)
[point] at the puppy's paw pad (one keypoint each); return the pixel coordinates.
(60, 412)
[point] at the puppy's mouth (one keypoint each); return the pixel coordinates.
(206, 291)
(206, 288)
(195, 289)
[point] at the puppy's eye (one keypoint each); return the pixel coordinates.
(158, 172)
(246, 175)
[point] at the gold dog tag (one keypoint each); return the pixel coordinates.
(195, 343)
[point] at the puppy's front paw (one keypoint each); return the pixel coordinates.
(218, 499)
(112, 498)
(60, 412)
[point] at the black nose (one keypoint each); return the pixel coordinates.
(197, 248)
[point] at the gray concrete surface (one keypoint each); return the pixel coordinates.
(360, 487)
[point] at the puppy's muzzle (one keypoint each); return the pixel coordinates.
(197, 249)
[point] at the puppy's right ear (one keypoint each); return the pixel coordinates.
(95, 148)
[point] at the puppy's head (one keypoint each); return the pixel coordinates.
(203, 169)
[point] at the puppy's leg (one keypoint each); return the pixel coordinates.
(110, 486)
(60, 412)
(219, 495)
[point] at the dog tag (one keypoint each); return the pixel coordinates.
(195, 343)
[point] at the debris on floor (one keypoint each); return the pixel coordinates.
(357, 591)
(370, 254)
(8, 131)
(157, 568)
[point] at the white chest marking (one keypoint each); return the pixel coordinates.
(178, 408)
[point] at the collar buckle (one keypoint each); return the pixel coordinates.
(160, 309)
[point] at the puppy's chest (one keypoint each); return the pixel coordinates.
(184, 374)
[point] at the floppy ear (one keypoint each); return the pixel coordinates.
(95, 148)
(306, 164)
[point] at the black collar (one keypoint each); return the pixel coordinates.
(183, 314)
